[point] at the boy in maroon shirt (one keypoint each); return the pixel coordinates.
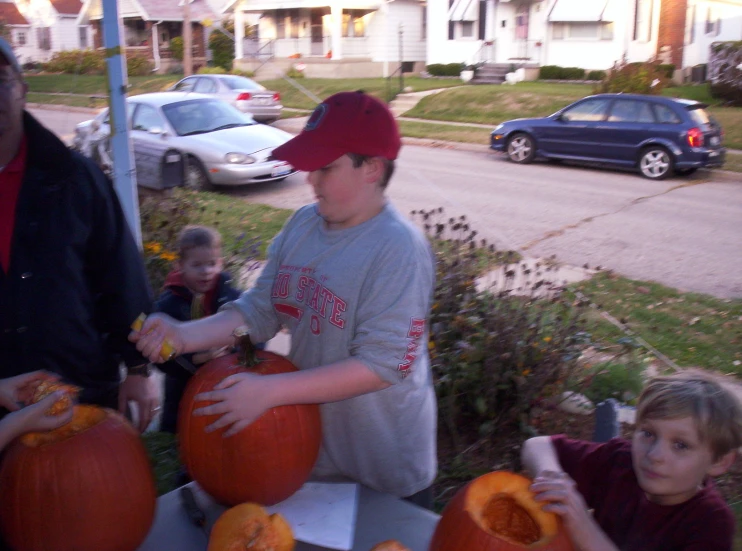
(653, 493)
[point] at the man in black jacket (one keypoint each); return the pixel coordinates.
(71, 276)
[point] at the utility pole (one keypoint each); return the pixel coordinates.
(187, 39)
(124, 173)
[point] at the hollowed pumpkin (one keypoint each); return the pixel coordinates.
(389, 545)
(86, 486)
(497, 512)
(264, 463)
(247, 527)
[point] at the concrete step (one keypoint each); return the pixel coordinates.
(488, 79)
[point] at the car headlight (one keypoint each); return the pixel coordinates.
(239, 158)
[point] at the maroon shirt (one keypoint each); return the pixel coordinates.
(605, 477)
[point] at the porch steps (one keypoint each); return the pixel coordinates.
(405, 102)
(491, 73)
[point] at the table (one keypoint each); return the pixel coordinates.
(380, 517)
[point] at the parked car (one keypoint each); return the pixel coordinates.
(245, 94)
(221, 145)
(654, 134)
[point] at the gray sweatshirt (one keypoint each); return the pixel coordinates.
(362, 292)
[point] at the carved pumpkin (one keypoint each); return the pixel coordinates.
(247, 527)
(389, 545)
(86, 486)
(264, 463)
(497, 512)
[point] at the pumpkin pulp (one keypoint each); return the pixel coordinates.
(83, 418)
(502, 515)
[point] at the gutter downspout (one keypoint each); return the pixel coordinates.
(156, 46)
(385, 9)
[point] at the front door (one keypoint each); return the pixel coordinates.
(315, 21)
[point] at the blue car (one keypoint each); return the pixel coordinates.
(657, 135)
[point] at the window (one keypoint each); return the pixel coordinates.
(21, 38)
(582, 31)
(293, 23)
(591, 110)
(205, 86)
(713, 22)
(521, 22)
(690, 29)
(353, 23)
(624, 110)
(424, 25)
(185, 85)
(643, 20)
(83, 38)
(665, 115)
(146, 118)
(44, 38)
(467, 29)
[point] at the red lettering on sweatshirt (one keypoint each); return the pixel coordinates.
(415, 333)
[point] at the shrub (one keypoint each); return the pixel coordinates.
(222, 49)
(555, 72)
(724, 72)
(212, 71)
(444, 69)
(176, 47)
(596, 75)
(496, 352)
(634, 78)
(668, 69)
(84, 62)
(138, 66)
(293, 72)
(240, 73)
(621, 377)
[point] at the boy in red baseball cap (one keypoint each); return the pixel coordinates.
(352, 279)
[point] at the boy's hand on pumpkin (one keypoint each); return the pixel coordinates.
(14, 391)
(560, 494)
(239, 400)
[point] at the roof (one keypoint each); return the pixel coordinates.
(259, 6)
(10, 15)
(150, 10)
(68, 7)
(579, 11)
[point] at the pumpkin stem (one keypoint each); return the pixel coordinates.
(248, 351)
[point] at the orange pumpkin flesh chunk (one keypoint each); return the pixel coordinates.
(389, 545)
(47, 387)
(83, 418)
(247, 527)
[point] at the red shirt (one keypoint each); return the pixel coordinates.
(11, 178)
(605, 477)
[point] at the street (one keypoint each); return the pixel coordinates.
(681, 232)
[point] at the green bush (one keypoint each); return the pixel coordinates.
(668, 69)
(222, 49)
(138, 66)
(621, 380)
(634, 78)
(240, 73)
(176, 47)
(495, 354)
(555, 72)
(444, 69)
(82, 62)
(211, 71)
(294, 73)
(596, 75)
(726, 78)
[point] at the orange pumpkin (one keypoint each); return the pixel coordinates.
(247, 527)
(497, 512)
(45, 387)
(86, 486)
(389, 545)
(264, 463)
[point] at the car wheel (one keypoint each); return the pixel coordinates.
(196, 176)
(655, 163)
(685, 171)
(521, 148)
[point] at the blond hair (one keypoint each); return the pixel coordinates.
(192, 237)
(714, 401)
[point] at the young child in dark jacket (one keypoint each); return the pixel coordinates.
(196, 288)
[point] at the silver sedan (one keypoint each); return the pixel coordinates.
(221, 145)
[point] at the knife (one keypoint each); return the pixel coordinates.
(195, 513)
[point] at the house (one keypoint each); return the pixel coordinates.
(51, 27)
(148, 26)
(590, 34)
(338, 38)
(689, 27)
(17, 30)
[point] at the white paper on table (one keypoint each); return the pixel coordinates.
(322, 513)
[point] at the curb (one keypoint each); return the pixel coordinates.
(54, 107)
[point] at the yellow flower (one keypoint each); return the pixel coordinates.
(170, 257)
(547, 339)
(525, 372)
(152, 247)
(431, 345)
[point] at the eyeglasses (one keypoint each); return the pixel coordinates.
(7, 82)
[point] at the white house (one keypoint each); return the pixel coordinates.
(334, 38)
(709, 21)
(53, 29)
(591, 34)
(18, 31)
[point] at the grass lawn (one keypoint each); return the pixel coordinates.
(446, 132)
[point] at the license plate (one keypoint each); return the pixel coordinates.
(262, 101)
(713, 153)
(714, 140)
(280, 170)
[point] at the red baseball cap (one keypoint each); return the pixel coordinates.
(347, 122)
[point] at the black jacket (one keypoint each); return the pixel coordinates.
(76, 279)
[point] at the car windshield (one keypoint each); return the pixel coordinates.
(699, 115)
(199, 116)
(241, 83)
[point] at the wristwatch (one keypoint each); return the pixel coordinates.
(145, 370)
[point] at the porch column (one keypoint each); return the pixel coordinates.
(336, 31)
(239, 31)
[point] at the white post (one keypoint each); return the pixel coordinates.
(239, 31)
(124, 172)
(336, 31)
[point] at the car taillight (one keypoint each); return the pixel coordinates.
(276, 97)
(695, 137)
(244, 96)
